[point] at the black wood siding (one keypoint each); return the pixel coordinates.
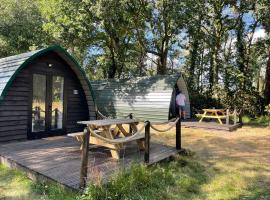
(14, 109)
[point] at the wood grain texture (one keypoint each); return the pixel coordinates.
(58, 159)
(15, 118)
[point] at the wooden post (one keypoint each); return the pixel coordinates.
(84, 158)
(147, 142)
(227, 117)
(178, 141)
(130, 128)
(234, 116)
(240, 118)
(56, 118)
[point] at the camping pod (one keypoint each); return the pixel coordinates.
(148, 98)
(43, 93)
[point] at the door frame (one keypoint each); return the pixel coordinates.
(48, 117)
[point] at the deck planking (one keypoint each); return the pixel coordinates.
(211, 126)
(58, 159)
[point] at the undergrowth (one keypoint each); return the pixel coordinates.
(158, 182)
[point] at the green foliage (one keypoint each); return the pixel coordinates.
(52, 191)
(261, 121)
(20, 27)
(136, 183)
(212, 41)
(267, 109)
(156, 182)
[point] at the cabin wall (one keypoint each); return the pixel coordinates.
(148, 98)
(14, 108)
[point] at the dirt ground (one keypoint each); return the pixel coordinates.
(238, 163)
(247, 143)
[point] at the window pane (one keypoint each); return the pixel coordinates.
(57, 102)
(39, 103)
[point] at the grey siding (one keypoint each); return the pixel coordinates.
(148, 98)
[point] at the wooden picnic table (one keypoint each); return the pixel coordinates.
(104, 126)
(213, 114)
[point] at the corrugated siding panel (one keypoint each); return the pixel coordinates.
(147, 98)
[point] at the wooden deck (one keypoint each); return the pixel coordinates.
(210, 125)
(58, 159)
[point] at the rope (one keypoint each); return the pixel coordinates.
(119, 140)
(162, 123)
(101, 115)
(165, 130)
(104, 117)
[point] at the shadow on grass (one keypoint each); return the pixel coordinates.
(258, 189)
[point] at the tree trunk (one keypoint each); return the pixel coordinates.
(162, 60)
(162, 64)
(113, 66)
(211, 74)
(267, 81)
(193, 62)
(240, 60)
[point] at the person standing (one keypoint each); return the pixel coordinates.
(181, 103)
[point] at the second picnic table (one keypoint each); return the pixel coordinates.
(214, 114)
(112, 133)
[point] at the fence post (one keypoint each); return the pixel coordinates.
(84, 158)
(227, 117)
(56, 118)
(147, 142)
(178, 141)
(234, 116)
(240, 118)
(130, 128)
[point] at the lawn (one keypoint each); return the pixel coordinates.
(15, 185)
(221, 165)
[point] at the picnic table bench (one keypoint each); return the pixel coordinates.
(213, 114)
(102, 134)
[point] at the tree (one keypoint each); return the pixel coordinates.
(163, 21)
(263, 11)
(20, 27)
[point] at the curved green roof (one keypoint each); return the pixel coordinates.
(148, 98)
(11, 66)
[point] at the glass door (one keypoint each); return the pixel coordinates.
(47, 105)
(57, 102)
(39, 103)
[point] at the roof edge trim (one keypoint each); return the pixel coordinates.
(55, 48)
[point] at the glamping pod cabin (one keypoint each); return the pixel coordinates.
(148, 98)
(42, 93)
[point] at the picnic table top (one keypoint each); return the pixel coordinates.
(107, 122)
(213, 110)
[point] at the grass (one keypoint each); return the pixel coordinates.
(186, 178)
(15, 185)
(224, 165)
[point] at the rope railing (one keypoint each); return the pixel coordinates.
(105, 117)
(163, 123)
(101, 115)
(144, 131)
(167, 129)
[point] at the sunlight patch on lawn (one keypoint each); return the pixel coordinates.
(14, 185)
